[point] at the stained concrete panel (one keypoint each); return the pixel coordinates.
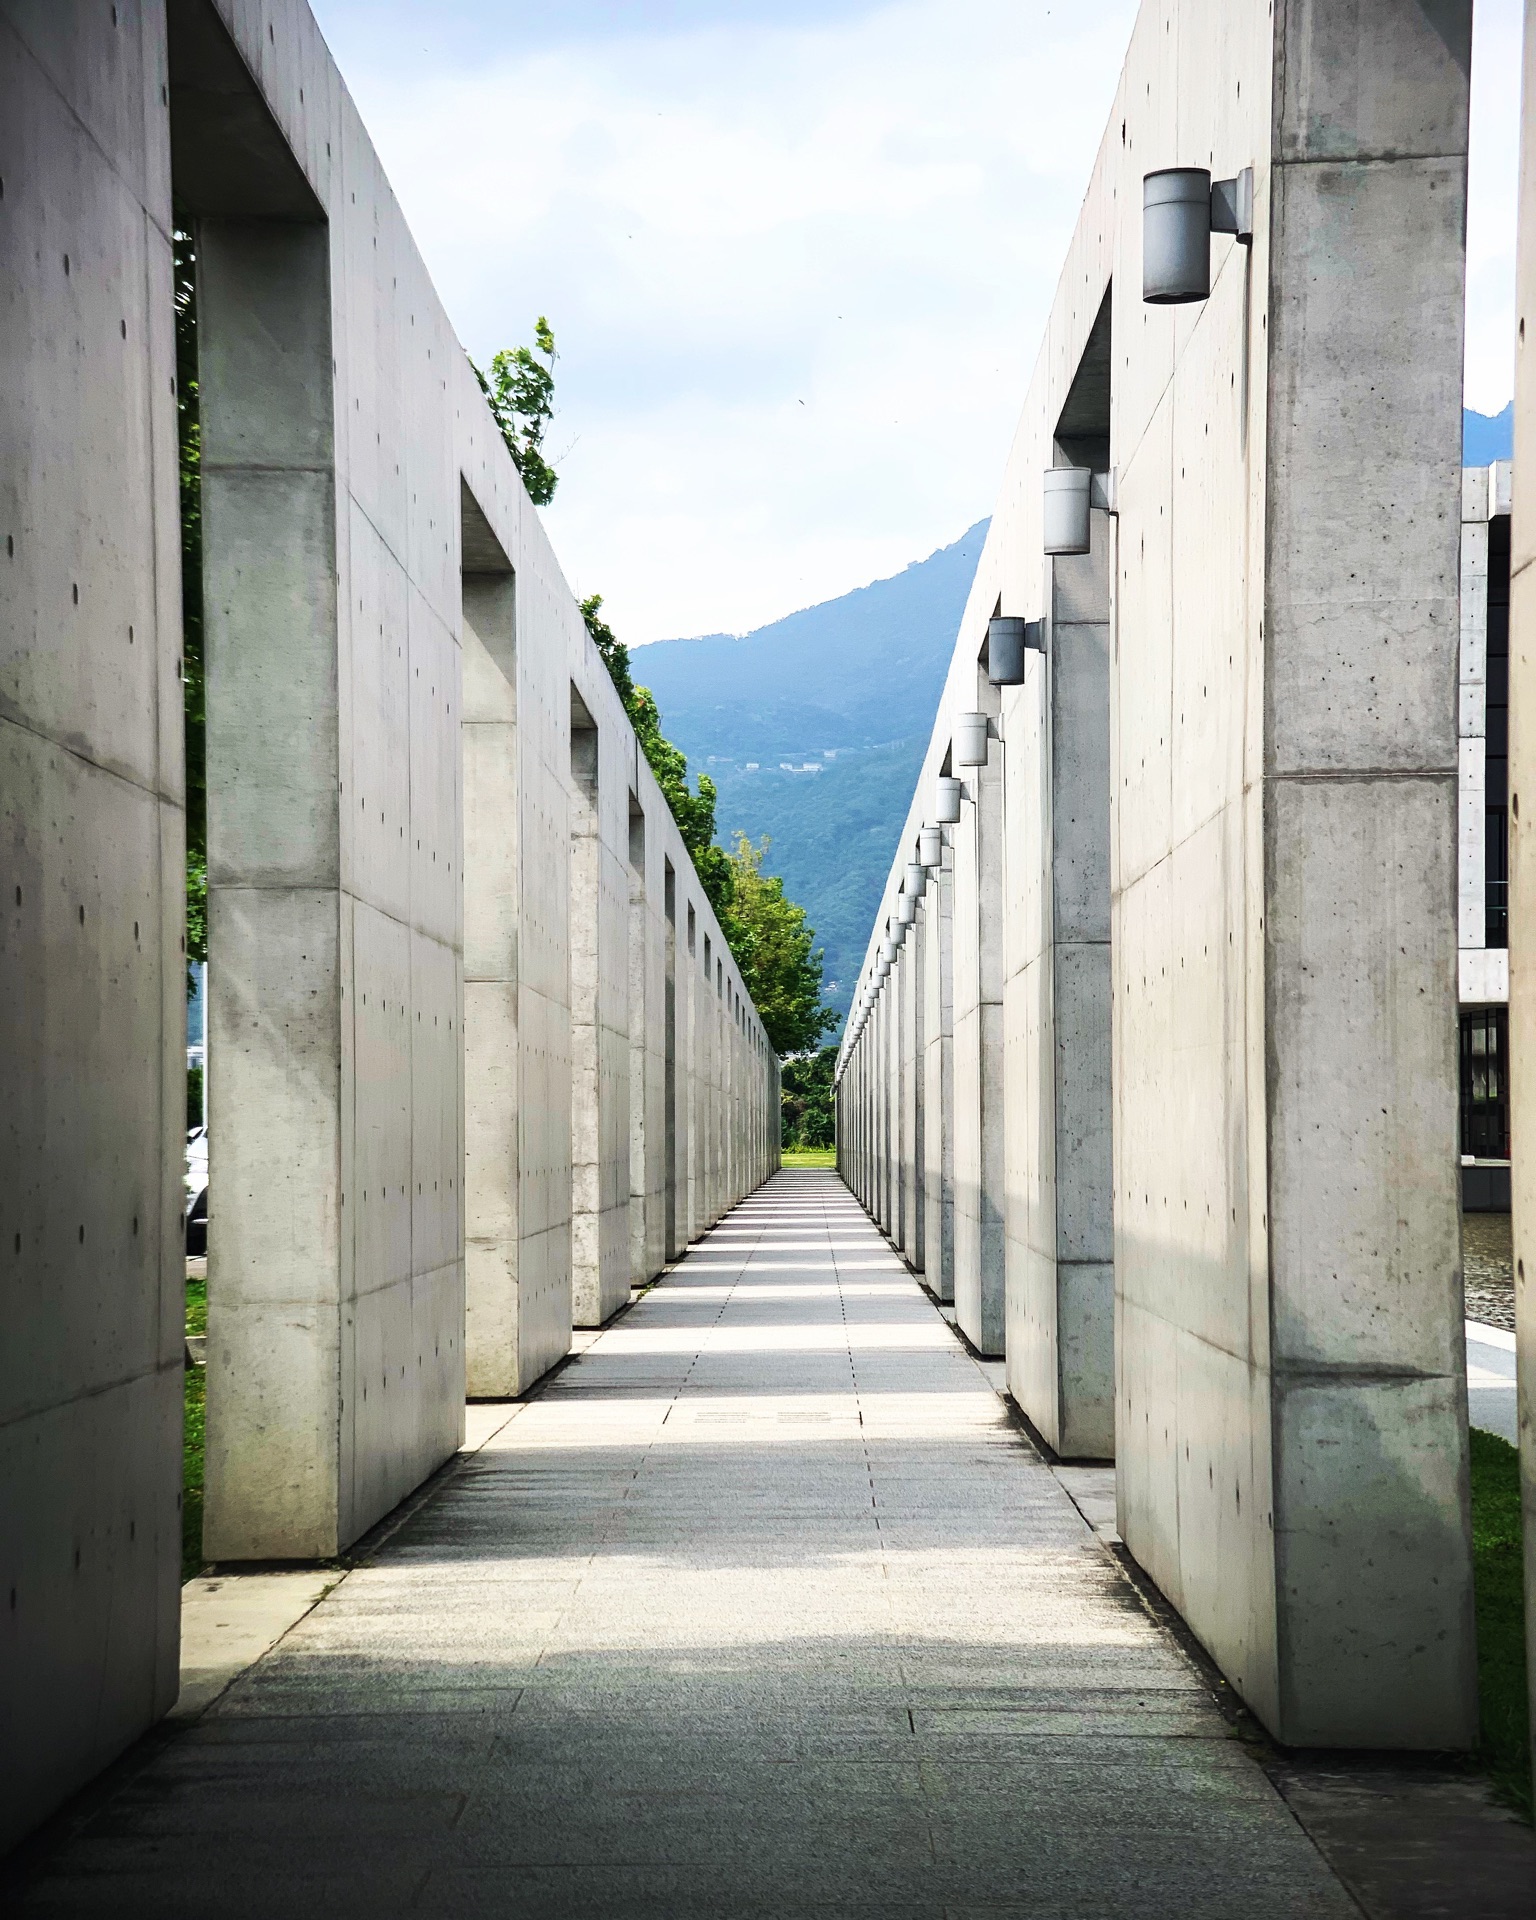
(93, 1005)
(1282, 655)
(340, 423)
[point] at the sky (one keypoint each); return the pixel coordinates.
(797, 255)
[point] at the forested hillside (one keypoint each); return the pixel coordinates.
(848, 688)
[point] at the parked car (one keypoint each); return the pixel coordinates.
(197, 1191)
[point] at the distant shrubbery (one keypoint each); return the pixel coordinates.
(808, 1100)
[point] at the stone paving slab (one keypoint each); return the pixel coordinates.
(761, 1607)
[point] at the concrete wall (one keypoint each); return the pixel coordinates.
(1282, 673)
(979, 969)
(1057, 998)
(92, 1010)
(1522, 921)
(398, 990)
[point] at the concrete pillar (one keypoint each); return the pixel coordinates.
(517, 1301)
(1290, 1428)
(978, 1050)
(693, 1092)
(890, 1067)
(1522, 893)
(674, 1119)
(913, 1071)
(93, 1003)
(599, 977)
(939, 1083)
(641, 1144)
(1061, 1300)
(889, 1106)
(333, 1283)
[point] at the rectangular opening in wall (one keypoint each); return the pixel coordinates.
(503, 1346)
(1082, 430)
(669, 1042)
(641, 1265)
(582, 946)
(251, 284)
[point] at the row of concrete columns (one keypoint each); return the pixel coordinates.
(479, 1057)
(1165, 1025)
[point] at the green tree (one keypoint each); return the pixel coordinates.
(808, 1099)
(693, 811)
(773, 948)
(520, 391)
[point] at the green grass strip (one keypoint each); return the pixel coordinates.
(1498, 1574)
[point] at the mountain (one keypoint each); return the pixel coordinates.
(850, 688)
(845, 693)
(858, 671)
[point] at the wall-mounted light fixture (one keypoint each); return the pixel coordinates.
(947, 805)
(1070, 495)
(1181, 207)
(916, 883)
(930, 846)
(906, 909)
(970, 740)
(1009, 641)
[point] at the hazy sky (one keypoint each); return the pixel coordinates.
(797, 255)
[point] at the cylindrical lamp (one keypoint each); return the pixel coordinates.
(917, 879)
(930, 846)
(1066, 524)
(948, 804)
(970, 740)
(906, 909)
(1009, 640)
(888, 949)
(1176, 236)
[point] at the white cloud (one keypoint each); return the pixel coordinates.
(798, 271)
(797, 275)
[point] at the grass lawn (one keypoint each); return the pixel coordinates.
(810, 1156)
(192, 1440)
(1496, 1563)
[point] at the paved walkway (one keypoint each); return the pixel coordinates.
(760, 1609)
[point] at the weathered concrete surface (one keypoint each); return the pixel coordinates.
(1057, 1002)
(228, 1621)
(1283, 685)
(939, 1083)
(761, 1607)
(92, 982)
(978, 912)
(1522, 865)
(370, 557)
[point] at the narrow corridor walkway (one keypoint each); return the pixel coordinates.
(761, 1607)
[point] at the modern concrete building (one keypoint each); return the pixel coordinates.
(1482, 899)
(479, 1056)
(1197, 933)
